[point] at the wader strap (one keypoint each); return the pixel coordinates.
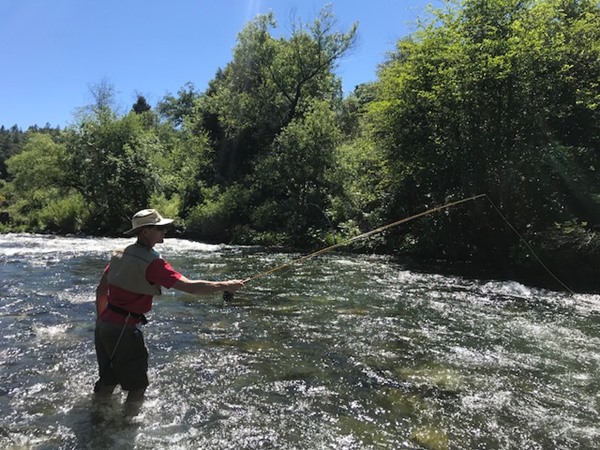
(124, 312)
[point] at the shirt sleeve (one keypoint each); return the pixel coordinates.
(160, 272)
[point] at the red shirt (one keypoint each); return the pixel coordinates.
(158, 272)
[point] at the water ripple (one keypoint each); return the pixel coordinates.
(342, 351)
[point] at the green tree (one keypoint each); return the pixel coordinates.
(40, 152)
(354, 107)
(258, 115)
(38, 195)
(176, 109)
(360, 190)
(291, 186)
(111, 165)
(269, 83)
(186, 167)
(11, 142)
(103, 101)
(484, 99)
(141, 105)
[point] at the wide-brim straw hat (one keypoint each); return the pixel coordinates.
(146, 218)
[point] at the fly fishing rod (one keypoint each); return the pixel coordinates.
(227, 296)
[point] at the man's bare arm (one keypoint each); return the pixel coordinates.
(200, 287)
(102, 294)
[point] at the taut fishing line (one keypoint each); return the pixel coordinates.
(529, 246)
(228, 296)
(362, 236)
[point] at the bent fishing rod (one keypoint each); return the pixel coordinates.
(227, 296)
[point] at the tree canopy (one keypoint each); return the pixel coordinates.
(499, 97)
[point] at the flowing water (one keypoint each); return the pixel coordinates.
(338, 352)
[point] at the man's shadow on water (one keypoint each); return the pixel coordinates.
(103, 423)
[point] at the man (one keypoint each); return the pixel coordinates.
(133, 277)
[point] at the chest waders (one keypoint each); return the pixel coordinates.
(127, 314)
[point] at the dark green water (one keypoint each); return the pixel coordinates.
(339, 352)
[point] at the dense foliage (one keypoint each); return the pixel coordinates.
(502, 98)
(490, 96)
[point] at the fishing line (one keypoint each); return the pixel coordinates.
(528, 246)
(362, 236)
(227, 296)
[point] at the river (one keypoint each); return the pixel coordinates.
(337, 352)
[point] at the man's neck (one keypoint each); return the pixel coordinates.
(144, 244)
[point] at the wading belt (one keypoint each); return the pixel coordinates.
(124, 312)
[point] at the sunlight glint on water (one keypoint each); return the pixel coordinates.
(340, 352)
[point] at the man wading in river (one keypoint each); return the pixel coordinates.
(133, 277)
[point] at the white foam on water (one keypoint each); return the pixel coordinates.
(507, 289)
(13, 244)
(26, 244)
(585, 303)
(51, 332)
(174, 245)
(75, 297)
(303, 364)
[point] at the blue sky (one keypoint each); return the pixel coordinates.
(53, 51)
